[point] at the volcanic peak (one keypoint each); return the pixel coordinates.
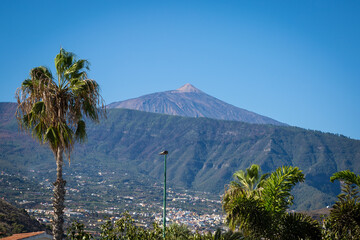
(188, 88)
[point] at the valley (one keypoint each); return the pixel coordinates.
(93, 200)
(118, 169)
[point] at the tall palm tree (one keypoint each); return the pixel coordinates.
(53, 110)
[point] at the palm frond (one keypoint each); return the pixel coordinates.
(346, 176)
(39, 131)
(81, 131)
(51, 137)
(40, 73)
(249, 179)
(217, 235)
(38, 108)
(75, 70)
(299, 226)
(277, 187)
(63, 61)
(248, 214)
(344, 218)
(27, 121)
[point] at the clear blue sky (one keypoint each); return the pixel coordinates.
(295, 61)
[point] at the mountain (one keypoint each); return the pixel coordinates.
(14, 220)
(203, 152)
(189, 101)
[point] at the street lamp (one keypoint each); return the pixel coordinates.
(164, 201)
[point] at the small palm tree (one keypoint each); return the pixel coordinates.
(54, 110)
(259, 210)
(250, 179)
(248, 182)
(344, 219)
(240, 198)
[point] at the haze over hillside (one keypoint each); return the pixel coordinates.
(191, 102)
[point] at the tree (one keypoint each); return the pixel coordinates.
(249, 180)
(260, 211)
(54, 111)
(126, 228)
(77, 232)
(246, 182)
(344, 219)
(240, 200)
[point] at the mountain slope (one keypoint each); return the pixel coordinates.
(191, 102)
(14, 220)
(203, 153)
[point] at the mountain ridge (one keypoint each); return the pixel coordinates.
(189, 101)
(203, 152)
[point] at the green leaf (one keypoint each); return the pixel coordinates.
(38, 108)
(346, 176)
(277, 187)
(81, 131)
(52, 137)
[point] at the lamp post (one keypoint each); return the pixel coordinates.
(164, 201)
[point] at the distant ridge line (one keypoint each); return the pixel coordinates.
(190, 101)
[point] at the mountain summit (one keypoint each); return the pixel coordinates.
(191, 102)
(188, 88)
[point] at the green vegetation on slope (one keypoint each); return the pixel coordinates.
(14, 220)
(203, 153)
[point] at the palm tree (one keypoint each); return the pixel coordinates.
(344, 219)
(246, 182)
(54, 111)
(240, 199)
(250, 179)
(259, 210)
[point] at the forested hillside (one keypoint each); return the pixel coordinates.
(14, 220)
(203, 153)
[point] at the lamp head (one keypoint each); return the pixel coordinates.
(163, 153)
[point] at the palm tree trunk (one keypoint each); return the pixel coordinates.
(59, 197)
